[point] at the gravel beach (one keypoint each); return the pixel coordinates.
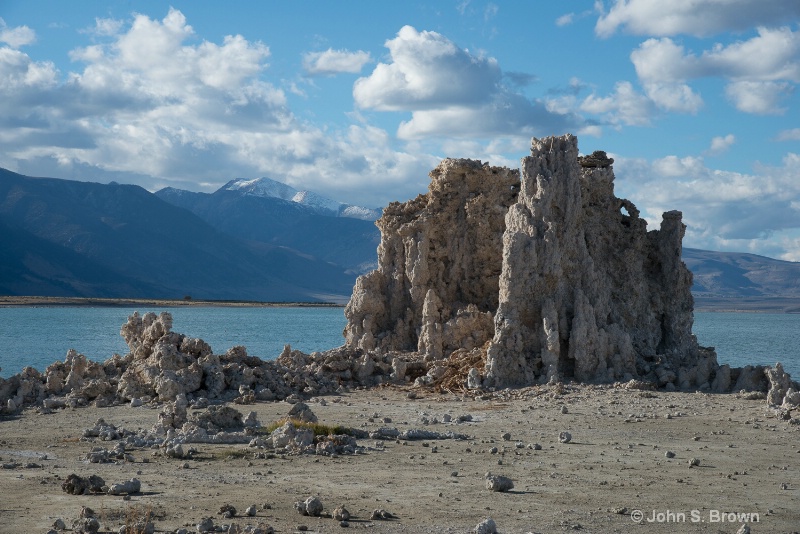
(636, 461)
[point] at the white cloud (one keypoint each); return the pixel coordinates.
(720, 144)
(623, 107)
(156, 106)
(427, 71)
(565, 20)
(105, 27)
(757, 97)
(16, 37)
(698, 18)
(723, 210)
(335, 61)
(760, 71)
(490, 11)
(789, 135)
(450, 92)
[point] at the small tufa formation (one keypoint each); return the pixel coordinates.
(312, 506)
(487, 526)
(78, 485)
(499, 483)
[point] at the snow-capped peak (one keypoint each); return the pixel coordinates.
(266, 187)
(262, 187)
(318, 202)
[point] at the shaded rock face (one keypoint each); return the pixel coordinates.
(561, 276)
(439, 264)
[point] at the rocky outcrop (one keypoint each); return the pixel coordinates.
(492, 279)
(543, 276)
(586, 291)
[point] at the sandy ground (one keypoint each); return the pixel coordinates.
(615, 466)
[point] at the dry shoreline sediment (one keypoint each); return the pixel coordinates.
(615, 464)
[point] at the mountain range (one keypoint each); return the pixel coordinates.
(255, 240)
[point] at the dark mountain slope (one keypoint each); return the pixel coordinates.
(128, 230)
(351, 243)
(736, 274)
(30, 265)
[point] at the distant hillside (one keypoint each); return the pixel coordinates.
(345, 241)
(268, 188)
(68, 238)
(734, 280)
(88, 239)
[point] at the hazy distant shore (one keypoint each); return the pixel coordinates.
(6, 301)
(752, 304)
(702, 304)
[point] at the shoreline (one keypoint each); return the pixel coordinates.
(21, 301)
(783, 305)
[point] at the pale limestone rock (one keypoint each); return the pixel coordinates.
(561, 275)
(439, 259)
(586, 293)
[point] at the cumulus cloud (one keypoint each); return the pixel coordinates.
(16, 37)
(450, 92)
(659, 18)
(335, 61)
(565, 20)
(721, 144)
(760, 71)
(789, 135)
(723, 210)
(427, 70)
(151, 102)
(623, 107)
(758, 97)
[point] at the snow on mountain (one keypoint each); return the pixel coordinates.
(262, 187)
(266, 187)
(318, 202)
(360, 212)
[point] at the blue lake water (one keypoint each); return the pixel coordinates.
(39, 336)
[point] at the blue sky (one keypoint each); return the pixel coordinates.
(696, 100)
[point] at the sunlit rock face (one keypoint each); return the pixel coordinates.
(586, 292)
(554, 275)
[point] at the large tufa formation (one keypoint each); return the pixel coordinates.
(508, 281)
(586, 291)
(558, 275)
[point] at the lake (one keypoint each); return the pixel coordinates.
(39, 336)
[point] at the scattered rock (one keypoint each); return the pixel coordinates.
(498, 483)
(341, 514)
(128, 487)
(564, 437)
(227, 511)
(312, 506)
(206, 525)
(77, 485)
(302, 412)
(379, 514)
(669, 454)
(487, 526)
